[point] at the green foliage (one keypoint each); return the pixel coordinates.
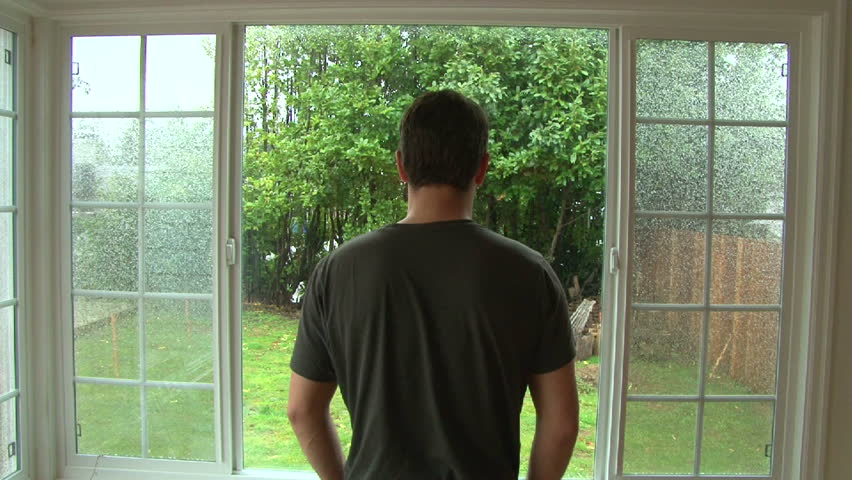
(322, 108)
(178, 168)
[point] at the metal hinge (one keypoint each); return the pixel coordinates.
(230, 252)
(613, 261)
(12, 449)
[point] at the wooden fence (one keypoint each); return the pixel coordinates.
(744, 271)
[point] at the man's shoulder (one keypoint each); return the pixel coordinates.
(358, 245)
(395, 239)
(502, 242)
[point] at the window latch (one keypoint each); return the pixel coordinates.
(613, 261)
(12, 449)
(79, 430)
(7, 56)
(767, 450)
(230, 252)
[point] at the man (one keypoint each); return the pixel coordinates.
(433, 328)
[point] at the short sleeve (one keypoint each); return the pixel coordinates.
(556, 340)
(311, 358)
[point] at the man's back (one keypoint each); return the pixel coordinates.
(432, 332)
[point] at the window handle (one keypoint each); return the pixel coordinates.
(613, 261)
(230, 252)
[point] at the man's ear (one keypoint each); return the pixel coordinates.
(402, 175)
(483, 168)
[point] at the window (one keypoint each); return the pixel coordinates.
(707, 247)
(173, 368)
(10, 398)
(142, 128)
(322, 106)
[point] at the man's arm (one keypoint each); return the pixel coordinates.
(308, 411)
(557, 422)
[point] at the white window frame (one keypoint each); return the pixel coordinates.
(631, 36)
(21, 302)
(812, 190)
(73, 460)
(801, 255)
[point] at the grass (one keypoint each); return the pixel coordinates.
(268, 340)
(659, 437)
(178, 348)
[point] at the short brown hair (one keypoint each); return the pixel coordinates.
(443, 136)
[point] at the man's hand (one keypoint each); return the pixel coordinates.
(309, 415)
(557, 422)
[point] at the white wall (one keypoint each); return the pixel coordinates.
(839, 441)
(839, 434)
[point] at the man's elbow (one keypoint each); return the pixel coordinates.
(566, 432)
(562, 432)
(299, 413)
(571, 432)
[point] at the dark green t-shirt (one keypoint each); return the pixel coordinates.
(432, 331)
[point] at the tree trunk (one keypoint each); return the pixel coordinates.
(560, 225)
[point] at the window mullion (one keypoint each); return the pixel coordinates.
(708, 258)
(143, 365)
(233, 157)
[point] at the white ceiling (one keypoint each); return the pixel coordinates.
(83, 8)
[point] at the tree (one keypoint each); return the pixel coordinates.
(322, 110)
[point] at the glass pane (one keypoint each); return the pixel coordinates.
(105, 248)
(7, 70)
(750, 81)
(671, 167)
(664, 349)
(105, 74)
(746, 262)
(105, 159)
(7, 256)
(180, 424)
(749, 169)
(179, 72)
(8, 374)
(179, 160)
(179, 251)
(742, 359)
(8, 434)
(736, 435)
(106, 337)
(7, 162)
(669, 260)
(179, 340)
(109, 420)
(659, 437)
(671, 79)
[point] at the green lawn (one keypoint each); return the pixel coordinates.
(269, 443)
(659, 437)
(178, 348)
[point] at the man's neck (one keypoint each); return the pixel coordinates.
(438, 203)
